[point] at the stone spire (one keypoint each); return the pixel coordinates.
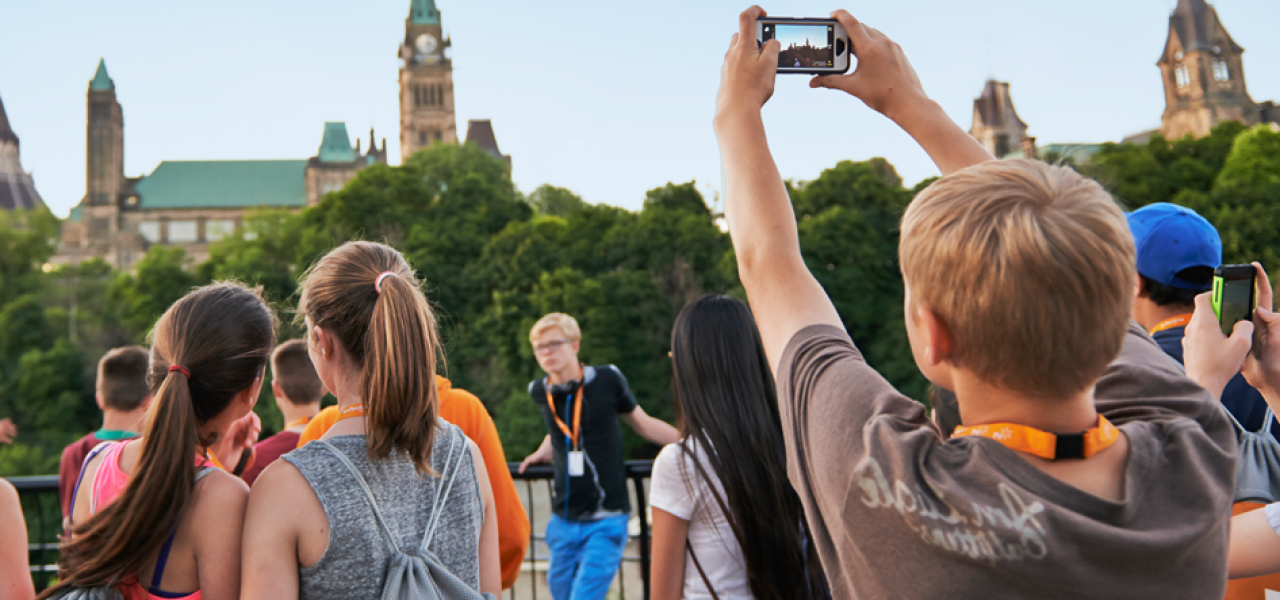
(17, 189)
(6, 133)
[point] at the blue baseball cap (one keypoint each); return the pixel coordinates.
(1169, 238)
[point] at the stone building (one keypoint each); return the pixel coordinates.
(480, 133)
(187, 203)
(17, 188)
(193, 203)
(995, 122)
(1203, 75)
(426, 82)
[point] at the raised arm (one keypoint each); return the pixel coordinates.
(784, 296)
(885, 81)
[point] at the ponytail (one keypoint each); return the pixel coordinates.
(366, 295)
(209, 346)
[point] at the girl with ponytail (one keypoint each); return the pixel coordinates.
(150, 518)
(390, 483)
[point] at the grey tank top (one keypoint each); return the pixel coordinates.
(354, 565)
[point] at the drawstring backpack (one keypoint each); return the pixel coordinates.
(417, 576)
(1258, 469)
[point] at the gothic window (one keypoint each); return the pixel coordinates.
(438, 136)
(1182, 76)
(1002, 145)
(440, 91)
(417, 96)
(1220, 70)
(422, 137)
(100, 110)
(431, 95)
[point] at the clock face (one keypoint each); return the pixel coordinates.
(426, 43)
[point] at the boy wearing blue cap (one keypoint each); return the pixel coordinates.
(1177, 251)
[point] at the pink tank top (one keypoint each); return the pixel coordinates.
(107, 485)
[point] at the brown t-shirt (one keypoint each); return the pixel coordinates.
(896, 512)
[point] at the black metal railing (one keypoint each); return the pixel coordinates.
(39, 498)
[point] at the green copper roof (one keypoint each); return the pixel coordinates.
(336, 145)
(101, 81)
(224, 184)
(423, 12)
(74, 217)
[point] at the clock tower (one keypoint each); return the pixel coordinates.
(426, 82)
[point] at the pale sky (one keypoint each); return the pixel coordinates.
(593, 96)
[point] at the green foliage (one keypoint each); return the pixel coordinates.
(1138, 175)
(158, 280)
(556, 201)
(495, 261)
(1254, 162)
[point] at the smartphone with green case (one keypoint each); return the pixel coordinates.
(1234, 295)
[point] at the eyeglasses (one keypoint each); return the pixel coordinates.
(551, 346)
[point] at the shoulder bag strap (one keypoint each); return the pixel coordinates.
(1266, 421)
(705, 581)
(368, 493)
(446, 481)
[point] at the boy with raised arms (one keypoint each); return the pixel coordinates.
(1087, 464)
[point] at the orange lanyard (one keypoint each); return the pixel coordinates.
(577, 410)
(350, 412)
(297, 422)
(1047, 445)
(1178, 321)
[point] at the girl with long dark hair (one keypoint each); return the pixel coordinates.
(151, 517)
(726, 522)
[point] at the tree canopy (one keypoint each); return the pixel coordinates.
(495, 260)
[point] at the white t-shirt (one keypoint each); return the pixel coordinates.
(683, 493)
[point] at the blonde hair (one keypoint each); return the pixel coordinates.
(1031, 267)
(568, 325)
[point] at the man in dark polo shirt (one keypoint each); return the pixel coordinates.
(581, 406)
(123, 396)
(1177, 251)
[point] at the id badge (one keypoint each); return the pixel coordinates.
(576, 463)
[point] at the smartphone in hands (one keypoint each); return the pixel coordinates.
(810, 46)
(1234, 295)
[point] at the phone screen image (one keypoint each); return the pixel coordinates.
(1237, 302)
(804, 46)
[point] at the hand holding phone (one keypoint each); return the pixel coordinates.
(1262, 367)
(884, 78)
(749, 71)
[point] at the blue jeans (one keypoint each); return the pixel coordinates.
(584, 556)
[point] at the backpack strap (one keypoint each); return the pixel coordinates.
(1266, 421)
(368, 493)
(446, 481)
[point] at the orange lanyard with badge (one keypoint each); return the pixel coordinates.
(572, 441)
(1178, 321)
(1049, 446)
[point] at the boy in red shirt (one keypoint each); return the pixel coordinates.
(298, 392)
(123, 397)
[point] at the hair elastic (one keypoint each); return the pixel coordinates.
(180, 369)
(377, 285)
